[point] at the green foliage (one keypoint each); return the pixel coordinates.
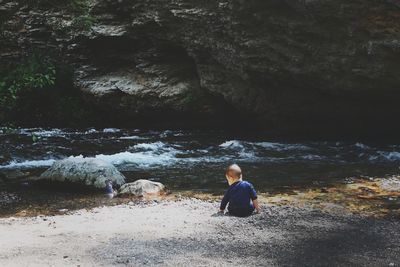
(82, 19)
(37, 91)
(8, 129)
(37, 72)
(32, 74)
(35, 138)
(83, 22)
(80, 6)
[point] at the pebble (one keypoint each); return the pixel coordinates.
(8, 198)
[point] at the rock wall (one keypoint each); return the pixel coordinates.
(290, 66)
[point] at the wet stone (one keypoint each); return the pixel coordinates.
(7, 198)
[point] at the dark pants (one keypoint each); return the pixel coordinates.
(241, 211)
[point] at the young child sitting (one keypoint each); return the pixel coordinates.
(241, 195)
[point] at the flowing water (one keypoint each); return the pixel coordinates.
(196, 160)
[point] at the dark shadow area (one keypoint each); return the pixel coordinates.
(34, 199)
(359, 243)
(280, 238)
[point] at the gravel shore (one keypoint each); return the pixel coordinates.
(188, 233)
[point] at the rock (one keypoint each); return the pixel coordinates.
(13, 175)
(312, 67)
(62, 210)
(110, 83)
(86, 171)
(109, 30)
(141, 188)
(2, 178)
(390, 184)
(8, 198)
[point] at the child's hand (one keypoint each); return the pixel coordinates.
(219, 213)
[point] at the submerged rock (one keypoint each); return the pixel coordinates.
(8, 198)
(86, 171)
(141, 188)
(12, 175)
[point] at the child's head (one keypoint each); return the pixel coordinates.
(233, 174)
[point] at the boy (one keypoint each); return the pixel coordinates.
(241, 196)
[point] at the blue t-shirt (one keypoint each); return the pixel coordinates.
(239, 195)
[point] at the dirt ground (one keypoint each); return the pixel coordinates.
(187, 232)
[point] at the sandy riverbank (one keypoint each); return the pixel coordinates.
(185, 233)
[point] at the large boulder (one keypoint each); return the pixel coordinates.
(141, 188)
(86, 171)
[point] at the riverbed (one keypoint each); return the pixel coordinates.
(183, 160)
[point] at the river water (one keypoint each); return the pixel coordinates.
(195, 160)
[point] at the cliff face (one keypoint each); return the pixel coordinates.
(289, 65)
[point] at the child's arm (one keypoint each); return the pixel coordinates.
(224, 201)
(256, 205)
(253, 195)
